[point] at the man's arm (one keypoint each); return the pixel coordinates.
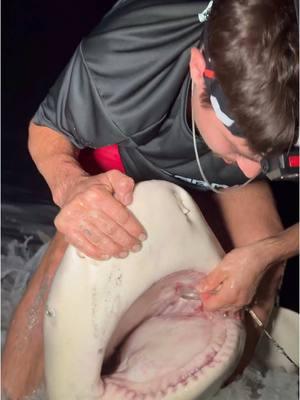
(71, 187)
(250, 215)
(93, 217)
(237, 281)
(282, 246)
(56, 159)
(238, 275)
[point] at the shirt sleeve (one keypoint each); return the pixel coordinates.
(126, 75)
(74, 108)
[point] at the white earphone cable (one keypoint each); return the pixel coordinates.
(198, 158)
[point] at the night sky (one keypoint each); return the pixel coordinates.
(38, 38)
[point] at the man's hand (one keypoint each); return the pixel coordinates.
(233, 283)
(94, 216)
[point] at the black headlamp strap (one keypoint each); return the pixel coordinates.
(216, 95)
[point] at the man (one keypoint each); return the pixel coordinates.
(126, 93)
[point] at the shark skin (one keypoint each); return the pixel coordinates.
(171, 348)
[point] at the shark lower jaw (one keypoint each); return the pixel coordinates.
(166, 347)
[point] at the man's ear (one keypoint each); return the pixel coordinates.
(197, 65)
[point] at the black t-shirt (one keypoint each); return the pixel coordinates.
(128, 83)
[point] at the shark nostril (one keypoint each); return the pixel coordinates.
(184, 209)
(181, 204)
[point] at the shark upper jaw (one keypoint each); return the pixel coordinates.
(167, 347)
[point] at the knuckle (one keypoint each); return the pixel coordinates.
(93, 194)
(107, 246)
(84, 247)
(91, 252)
(123, 216)
(105, 243)
(131, 180)
(58, 223)
(57, 220)
(113, 172)
(110, 228)
(126, 244)
(113, 175)
(120, 178)
(98, 254)
(126, 182)
(129, 242)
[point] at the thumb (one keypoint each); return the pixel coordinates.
(122, 186)
(211, 282)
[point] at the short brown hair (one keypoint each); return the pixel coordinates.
(254, 48)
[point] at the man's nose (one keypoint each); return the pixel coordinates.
(249, 167)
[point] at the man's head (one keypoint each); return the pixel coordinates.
(253, 47)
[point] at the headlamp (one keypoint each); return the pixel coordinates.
(283, 167)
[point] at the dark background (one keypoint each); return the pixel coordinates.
(38, 38)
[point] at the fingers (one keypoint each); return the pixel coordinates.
(111, 232)
(112, 237)
(97, 235)
(211, 282)
(216, 292)
(103, 250)
(119, 217)
(85, 247)
(213, 295)
(96, 222)
(229, 287)
(215, 302)
(233, 283)
(226, 298)
(121, 185)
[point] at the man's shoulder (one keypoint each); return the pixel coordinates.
(144, 12)
(133, 24)
(138, 58)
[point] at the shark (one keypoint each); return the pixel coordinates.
(121, 329)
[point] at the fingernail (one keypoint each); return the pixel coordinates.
(123, 254)
(128, 198)
(142, 237)
(105, 257)
(136, 248)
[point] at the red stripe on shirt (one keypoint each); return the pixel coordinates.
(102, 159)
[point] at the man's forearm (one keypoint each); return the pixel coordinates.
(252, 219)
(249, 213)
(55, 158)
(282, 246)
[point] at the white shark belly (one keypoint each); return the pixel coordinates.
(94, 306)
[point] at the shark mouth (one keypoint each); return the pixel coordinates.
(173, 345)
(120, 329)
